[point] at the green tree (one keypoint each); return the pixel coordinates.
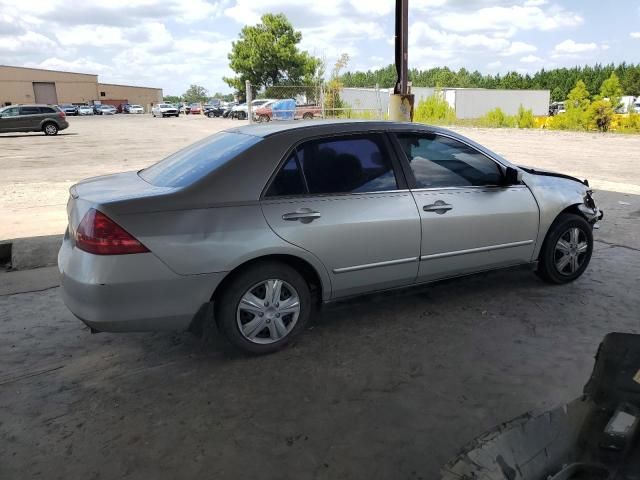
(631, 82)
(172, 99)
(600, 115)
(578, 98)
(226, 97)
(267, 54)
(333, 104)
(435, 110)
(195, 94)
(611, 89)
(576, 116)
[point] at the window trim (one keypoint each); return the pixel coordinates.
(411, 179)
(396, 166)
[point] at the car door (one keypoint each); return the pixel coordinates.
(31, 117)
(10, 120)
(471, 221)
(344, 199)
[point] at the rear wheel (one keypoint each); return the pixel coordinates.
(566, 250)
(50, 129)
(264, 118)
(307, 116)
(264, 307)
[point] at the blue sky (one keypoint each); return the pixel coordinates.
(173, 43)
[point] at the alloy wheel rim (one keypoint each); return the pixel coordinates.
(50, 129)
(268, 311)
(571, 251)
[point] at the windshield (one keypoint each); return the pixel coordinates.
(191, 164)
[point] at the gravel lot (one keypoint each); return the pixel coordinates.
(385, 386)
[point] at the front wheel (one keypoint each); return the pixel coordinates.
(264, 307)
(566, 250)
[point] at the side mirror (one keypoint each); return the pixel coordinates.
(512, 176)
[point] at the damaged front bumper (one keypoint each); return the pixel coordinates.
(589, 209)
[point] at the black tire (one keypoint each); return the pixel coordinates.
(264, 118)
(307, 116)
(229, 299)
(551, 255)
(50, 128)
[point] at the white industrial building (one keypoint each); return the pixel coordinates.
(467, 102)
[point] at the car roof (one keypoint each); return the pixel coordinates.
(329, 127)
(31, 105)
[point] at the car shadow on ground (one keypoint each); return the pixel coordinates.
(38, 134)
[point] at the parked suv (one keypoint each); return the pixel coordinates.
(32, 118)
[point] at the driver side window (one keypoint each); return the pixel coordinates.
(437, 161)
(10, 112)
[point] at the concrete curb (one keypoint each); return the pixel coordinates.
(32, 252)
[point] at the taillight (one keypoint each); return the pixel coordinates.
(61, 114)
(100, 235)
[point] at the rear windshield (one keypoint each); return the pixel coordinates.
(191, 164)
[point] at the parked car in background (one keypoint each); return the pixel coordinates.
(95, 107)
(85, 110)
(195, 109)
(165, 110)
(184, 108)
(286, 110)
(252, 227)
(213, 111)
(106, 110)
(555, 108)
(69, 109)
(133, 108)
(48, 119)
(227, 108)
(241, 111)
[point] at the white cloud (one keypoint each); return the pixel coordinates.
(535, 3)
(508, 19)
(518, 48)
(573, 48)
(530, 59)
(634, 34)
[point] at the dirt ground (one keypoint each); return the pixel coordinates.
(384, 386)
(37, 171)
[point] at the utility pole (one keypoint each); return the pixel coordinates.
(401, 102)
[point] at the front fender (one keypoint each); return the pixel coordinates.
(556, 194)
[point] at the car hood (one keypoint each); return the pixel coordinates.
(548, 173)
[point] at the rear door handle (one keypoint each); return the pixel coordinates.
(438, 207)
(305, 215)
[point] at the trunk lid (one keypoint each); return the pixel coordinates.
(102, 193)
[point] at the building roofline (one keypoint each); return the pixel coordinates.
(128, 86)
(50, 70)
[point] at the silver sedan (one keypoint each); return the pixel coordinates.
(251, 228)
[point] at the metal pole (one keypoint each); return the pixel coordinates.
(402, 46)
(401, 102)
(247, 85)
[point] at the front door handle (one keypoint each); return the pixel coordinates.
(438, 207)
(305, 215)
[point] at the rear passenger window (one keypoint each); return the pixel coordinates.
(29, 110)
(47, 110)
(350, 164)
